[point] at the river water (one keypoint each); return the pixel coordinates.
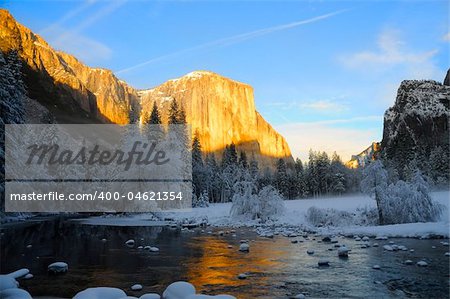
(276, 268)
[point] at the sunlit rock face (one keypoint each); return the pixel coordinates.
(367, 155)
(222, 111)
(61, 82)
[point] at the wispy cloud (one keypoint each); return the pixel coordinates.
(331, 105)
(390, 62)
(232, 40)
(72, 40)
(324, 106)
(87, 22)
(368, 118)
(446, 37)
(84, 48)
(391, 52)
(68, 16)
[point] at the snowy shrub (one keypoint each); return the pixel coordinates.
(264, 205)
(245, 201)
(332, 217)
(329, 217)
(271, 203)
(315, 216)
(200, 202)
(366, 216)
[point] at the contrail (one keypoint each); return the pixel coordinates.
(232, 40)
(71, 14)
(106, 10)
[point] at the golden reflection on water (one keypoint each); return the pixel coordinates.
(217, 266)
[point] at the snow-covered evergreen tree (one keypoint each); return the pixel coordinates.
(281, 178)
(375, 184)
(439, 167)
(400, 202)
(199, 177)
(202, 201)
(12, 97)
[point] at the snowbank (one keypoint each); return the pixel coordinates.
(295, 215)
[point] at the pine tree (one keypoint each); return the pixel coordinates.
(212, 178)
(439, 166)
(182, 116)
(174, 112)
(281, 178)
(12, 98)
(300, 179)
(155, 118)
(243, 160)
(229, 156)
(312, 174)
(254, 169)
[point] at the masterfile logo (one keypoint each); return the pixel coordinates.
(87, 168)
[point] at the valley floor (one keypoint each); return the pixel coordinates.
(295, 215)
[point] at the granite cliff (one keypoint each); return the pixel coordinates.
(221, 110)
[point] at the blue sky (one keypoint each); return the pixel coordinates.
(323, 72)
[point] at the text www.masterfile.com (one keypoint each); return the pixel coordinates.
(98, 195)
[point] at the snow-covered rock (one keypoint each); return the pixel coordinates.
(343, 251)
(28, 276)
(388, 248)
(298, 296)
(179, 290)
(408, 262)
(242, 276)
(100, 293)
(136, 287)
(402, 248)
(8, 282)
(150, 296)
(19, 273)
(58, 267)
(244, 247)
(365, 238)
(130, 243)
(376, 267)
(15, 294)
(310, 251)
(422, 264)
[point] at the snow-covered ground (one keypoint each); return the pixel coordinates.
(295, 215)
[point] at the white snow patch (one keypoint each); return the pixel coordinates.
(100, 293)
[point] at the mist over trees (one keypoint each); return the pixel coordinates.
(218, 176)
